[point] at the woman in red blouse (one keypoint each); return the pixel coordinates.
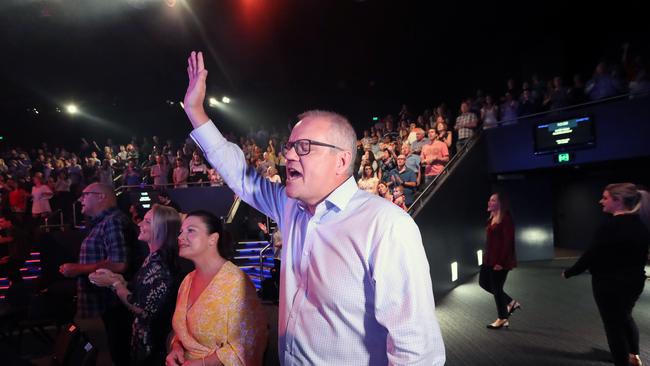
(499, 258)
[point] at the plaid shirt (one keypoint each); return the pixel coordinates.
(105, 241)
(462, 124)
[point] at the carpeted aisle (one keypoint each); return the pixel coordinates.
(558, 324)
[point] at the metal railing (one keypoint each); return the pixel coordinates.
(152, 186)
(47, 226)
(429, 189)
(262, 256)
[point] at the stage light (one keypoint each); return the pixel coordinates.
(454, 271)
(479, 257)
(213, 102)
(182, 105)
(72, 109)
(225, 100)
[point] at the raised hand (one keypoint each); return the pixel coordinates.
(195, 94)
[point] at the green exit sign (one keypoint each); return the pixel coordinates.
(564, 158)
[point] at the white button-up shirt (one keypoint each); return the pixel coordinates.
(355, 287)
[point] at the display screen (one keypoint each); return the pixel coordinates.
(563, 135)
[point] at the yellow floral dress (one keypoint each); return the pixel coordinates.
(226, 318)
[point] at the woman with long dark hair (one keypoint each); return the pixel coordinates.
(219, 319)
(150, 294)
(616, 260)
(499, 258)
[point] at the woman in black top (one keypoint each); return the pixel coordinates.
(616, 261)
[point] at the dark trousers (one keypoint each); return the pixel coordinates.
(118, 322)
(492, 281)
(615, 298)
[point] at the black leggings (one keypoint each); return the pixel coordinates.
(492, 281)
(615, 298)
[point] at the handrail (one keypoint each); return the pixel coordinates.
(262, 256)
(121, 188)
(452, 162)
(47, 225)
(233, 210)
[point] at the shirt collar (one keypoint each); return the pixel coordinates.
(343, 194)
(340, 197)
(97, 219)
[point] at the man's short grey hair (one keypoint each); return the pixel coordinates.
(341, 132)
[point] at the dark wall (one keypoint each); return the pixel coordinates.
(532, 211)
(576, 193)
(565, 198)
(577, 212)
(452, 222)
(622, 132)
(217, 200)
(559, 206)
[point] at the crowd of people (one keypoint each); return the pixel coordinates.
(128, 306)
(214, 311)
(50, 178)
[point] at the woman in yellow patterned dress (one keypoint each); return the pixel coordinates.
(219, 319)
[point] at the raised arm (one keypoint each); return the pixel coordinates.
(227, 158)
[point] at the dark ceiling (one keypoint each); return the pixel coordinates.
(121, 60)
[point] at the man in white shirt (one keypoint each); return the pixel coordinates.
(355, 287)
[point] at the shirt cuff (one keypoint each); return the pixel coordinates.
(207, 135)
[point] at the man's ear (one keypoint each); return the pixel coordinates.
(343, 161)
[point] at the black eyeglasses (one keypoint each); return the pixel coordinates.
(303, 146)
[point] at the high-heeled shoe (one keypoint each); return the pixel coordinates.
(498, 324)
(635, 360)
(514, 305)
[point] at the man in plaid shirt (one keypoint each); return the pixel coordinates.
(104, 247)
(465, 125)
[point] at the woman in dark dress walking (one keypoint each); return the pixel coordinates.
(616, 260)
(499, 258)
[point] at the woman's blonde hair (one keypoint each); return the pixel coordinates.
(634, 199)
